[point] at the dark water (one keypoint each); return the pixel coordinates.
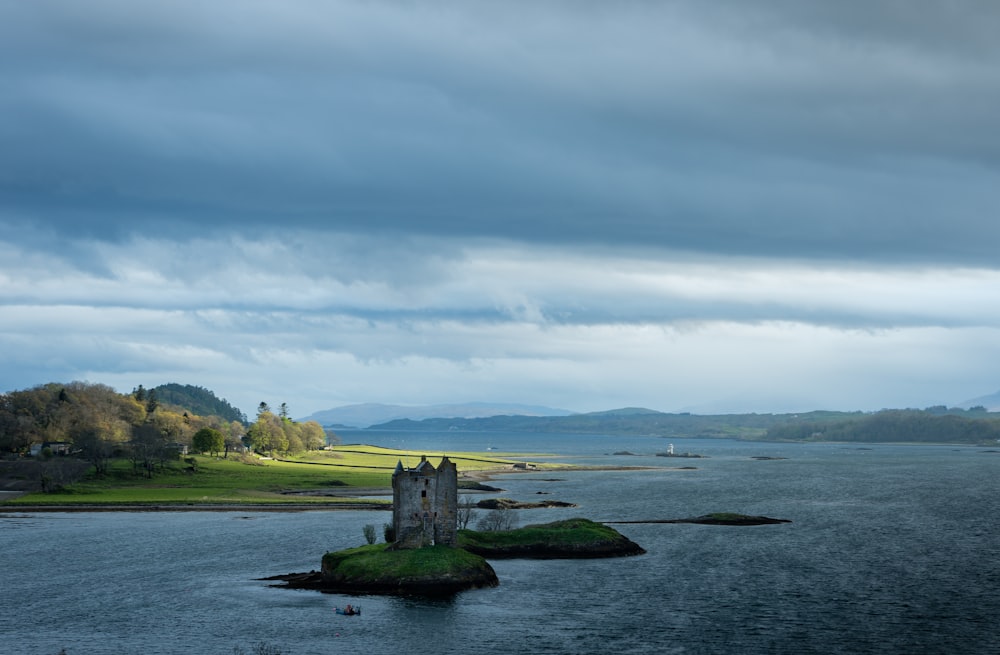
(892, 549)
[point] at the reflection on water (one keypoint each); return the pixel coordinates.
(888, 552)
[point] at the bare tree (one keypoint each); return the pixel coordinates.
(95, 448)
(466, 512)
(56, 472)
(498, 520)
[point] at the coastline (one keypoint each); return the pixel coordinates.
(235, 507)
(346, 492)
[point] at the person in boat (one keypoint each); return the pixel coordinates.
(349, 610)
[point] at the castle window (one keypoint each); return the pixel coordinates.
(423, 493)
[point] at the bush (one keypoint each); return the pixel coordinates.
(389, 532)
(369, 531)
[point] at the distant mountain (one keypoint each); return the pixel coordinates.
(933, 425)
(625, 411)
(990, 402)
(629, 420)
(368, 414)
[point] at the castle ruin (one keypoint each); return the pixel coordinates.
(425, 504)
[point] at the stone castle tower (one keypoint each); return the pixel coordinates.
(425, 504)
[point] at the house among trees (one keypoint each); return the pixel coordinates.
(425, 504)
(55, 447)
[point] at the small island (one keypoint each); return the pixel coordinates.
(428, 555)
(717, 518)
(507, 503)
(572, 538)
(439, 570)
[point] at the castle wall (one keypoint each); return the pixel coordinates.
(425, 504)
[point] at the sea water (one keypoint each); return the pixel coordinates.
(891, 549)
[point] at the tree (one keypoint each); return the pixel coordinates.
(148, 446)
(313, 436)
(370, 535)
(466, 512)
(267, 434)
(151, 401)
(233, 434)
(208, 440)
(96, 449)
(16, 425)
(498, 520)
(56, 472)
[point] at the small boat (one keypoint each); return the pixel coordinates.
(348, 611)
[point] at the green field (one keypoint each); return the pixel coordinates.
(252, 480)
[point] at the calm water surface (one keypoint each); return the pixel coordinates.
(892, 549)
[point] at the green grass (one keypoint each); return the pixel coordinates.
(727, 516)
(377, 457)
(252, 481)
(377, 563)
(214, 481)
(571, 532)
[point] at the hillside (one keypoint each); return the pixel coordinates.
(630, 421)
(990, 402)
(931, 425)
(368, 414)
(198, 400)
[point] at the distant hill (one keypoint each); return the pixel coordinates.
(990, 402)
(368, 414)
(198, 400)
(629, 420)
(933, 425)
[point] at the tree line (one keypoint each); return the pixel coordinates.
(100, 424)
(931, 425)
(279, 434)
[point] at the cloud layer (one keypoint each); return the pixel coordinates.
(726, 206)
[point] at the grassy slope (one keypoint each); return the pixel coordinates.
(229, 481)
(377, 562)
(571, 532)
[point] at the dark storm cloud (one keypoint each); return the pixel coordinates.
(785, 204)
(773, 128)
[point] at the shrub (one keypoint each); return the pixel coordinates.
(369, 531)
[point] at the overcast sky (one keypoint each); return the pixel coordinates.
(726, 206)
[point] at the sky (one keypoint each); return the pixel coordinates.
(727, 206)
